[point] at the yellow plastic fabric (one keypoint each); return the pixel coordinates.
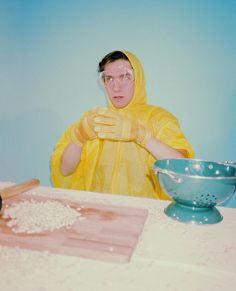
(122, 167)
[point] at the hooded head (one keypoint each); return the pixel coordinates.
(123, 79)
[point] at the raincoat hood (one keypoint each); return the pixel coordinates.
(140, 96)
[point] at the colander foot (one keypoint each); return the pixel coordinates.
(194, 215)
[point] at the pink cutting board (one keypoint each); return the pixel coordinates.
(107, 232)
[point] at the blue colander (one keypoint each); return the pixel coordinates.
(196, 187)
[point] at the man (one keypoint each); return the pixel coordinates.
(113, 149)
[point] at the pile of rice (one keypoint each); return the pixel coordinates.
(35, 217)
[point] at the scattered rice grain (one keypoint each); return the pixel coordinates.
(35, 217)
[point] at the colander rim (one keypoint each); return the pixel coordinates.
(195, 176)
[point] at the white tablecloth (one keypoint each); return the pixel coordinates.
(169, 256)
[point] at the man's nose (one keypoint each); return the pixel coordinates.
(116, 85)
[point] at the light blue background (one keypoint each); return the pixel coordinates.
(49, 51)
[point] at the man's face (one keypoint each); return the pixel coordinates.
(118, 81)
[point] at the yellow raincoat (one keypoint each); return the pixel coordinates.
(123, 167)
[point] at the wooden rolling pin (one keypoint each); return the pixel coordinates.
(17, 189)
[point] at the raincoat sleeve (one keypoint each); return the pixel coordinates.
(167, 129)
(58, 179)
(170, 133)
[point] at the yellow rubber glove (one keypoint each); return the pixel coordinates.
(84, 130)
(113, 125)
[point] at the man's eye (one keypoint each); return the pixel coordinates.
(107, 79)
(128, 76)
(125, 77)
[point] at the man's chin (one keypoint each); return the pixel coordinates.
(118, 106)
(119, 103)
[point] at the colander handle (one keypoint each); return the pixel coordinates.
(163, 171)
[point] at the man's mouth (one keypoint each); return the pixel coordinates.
(117, 97)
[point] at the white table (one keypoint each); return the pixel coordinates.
(169, 256)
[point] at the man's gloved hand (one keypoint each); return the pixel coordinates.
(119, 126)
(84, 130)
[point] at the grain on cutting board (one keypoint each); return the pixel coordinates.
(101, 232)
(36, 217)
